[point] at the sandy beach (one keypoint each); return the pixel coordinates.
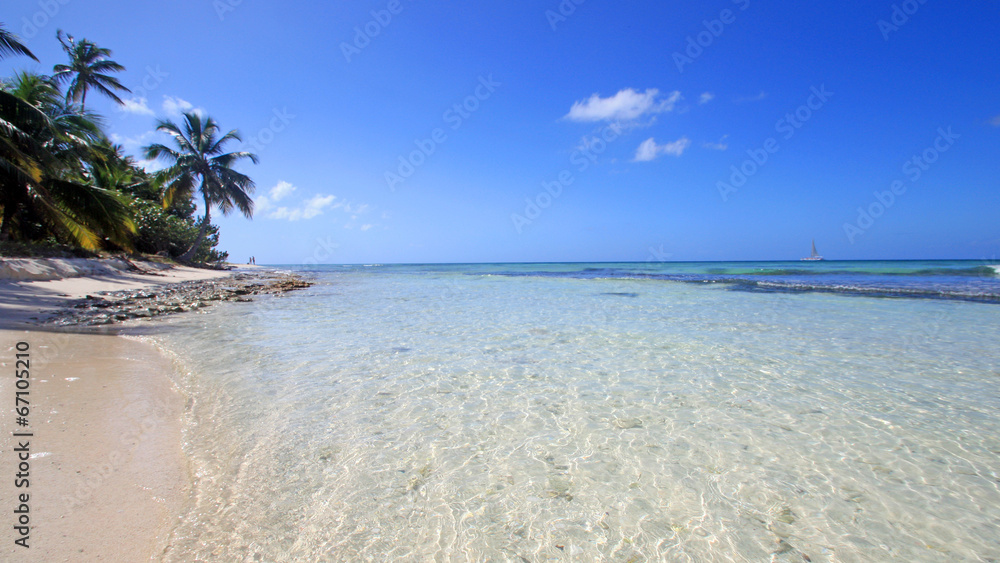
(107, 475)
(31, 288)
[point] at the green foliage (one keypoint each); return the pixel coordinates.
(42, 158)
(47, 248)
(63, 184)
(200, 164)
(207, 252)
(162, 231)
(87, 69)
(158, 231)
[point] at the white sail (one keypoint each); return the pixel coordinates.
(815, 255)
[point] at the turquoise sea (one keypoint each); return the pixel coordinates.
(765, 411)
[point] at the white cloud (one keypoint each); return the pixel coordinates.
(306, 209)
(279, 192)
(756, 98)
(626, 105)
(137, 106)
(365, 227)
(286, 213)
(151, 165)
(133, 144)
(649, 150)
(720, 146)
(646, 151)
(705, 98)
(316, 204)
(174, 107)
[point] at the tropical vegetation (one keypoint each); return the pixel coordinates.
(63, 183)
(199, 162)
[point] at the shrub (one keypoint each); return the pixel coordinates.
(162, 230)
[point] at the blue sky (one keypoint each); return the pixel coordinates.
(422, 131)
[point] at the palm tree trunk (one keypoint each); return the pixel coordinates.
(189, 255)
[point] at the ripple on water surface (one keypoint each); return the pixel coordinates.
(495, 418)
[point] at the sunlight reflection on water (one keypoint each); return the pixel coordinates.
(463, 417)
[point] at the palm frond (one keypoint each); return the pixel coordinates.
(181, 187)
(100, 211)
(10, 44)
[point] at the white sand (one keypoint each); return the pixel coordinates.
(108, 476)
(28, 292)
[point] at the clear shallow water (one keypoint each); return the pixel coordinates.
(538, 412)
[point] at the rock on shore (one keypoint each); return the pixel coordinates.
(114, 307)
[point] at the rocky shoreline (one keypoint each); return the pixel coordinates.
(111, 307)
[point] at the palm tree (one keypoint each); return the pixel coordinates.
(87, 66)
(114, 170)
(36, 89)
(43, 188)
(10, 45)
(44, 147)
(199, 160)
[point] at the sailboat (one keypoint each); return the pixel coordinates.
(815, 255)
